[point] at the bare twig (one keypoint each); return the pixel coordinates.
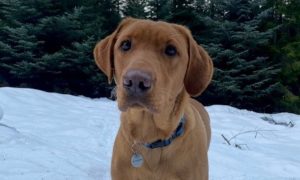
(272, 121)
(251, 131)
(240, 146)
(9, 127)
(228, 142)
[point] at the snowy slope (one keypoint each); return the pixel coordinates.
(52, 136)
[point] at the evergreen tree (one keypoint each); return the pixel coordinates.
(287, 13)
(100, 17)
(47, 44)
(135, 8)
(17, 43)
(159, 9)
(188, 13)
(244, 74)
(51, 49)
(182, 12)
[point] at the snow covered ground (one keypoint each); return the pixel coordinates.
(52, 136)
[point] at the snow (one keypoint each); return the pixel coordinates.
(54, 136)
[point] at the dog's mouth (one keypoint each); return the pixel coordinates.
(137, 102)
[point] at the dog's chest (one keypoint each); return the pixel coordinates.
(152, 158)
(154, 166)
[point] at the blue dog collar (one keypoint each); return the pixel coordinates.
(162, 143)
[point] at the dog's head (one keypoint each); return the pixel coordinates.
(152, 62)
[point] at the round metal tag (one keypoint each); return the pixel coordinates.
(137, 160)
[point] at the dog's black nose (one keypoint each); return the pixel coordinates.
(137, 82)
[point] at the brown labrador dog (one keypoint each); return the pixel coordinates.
(164, 134)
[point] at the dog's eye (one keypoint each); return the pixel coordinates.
(170, 50)
(125, 45)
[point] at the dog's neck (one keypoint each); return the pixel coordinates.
(145, 127)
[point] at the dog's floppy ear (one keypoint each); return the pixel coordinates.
(104, 51)
(200, 70)
(103, 55)
(200, 66)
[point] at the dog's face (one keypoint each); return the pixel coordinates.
(152, 62)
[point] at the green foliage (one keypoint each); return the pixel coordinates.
(286, 47)
(290, 77)
(245, 75)
(255, 45)
(291, 102)
(135, 8)
(159, 9)
(48, 44)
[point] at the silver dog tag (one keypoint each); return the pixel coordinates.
(137, 160)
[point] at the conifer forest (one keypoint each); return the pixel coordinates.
(254, 44)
